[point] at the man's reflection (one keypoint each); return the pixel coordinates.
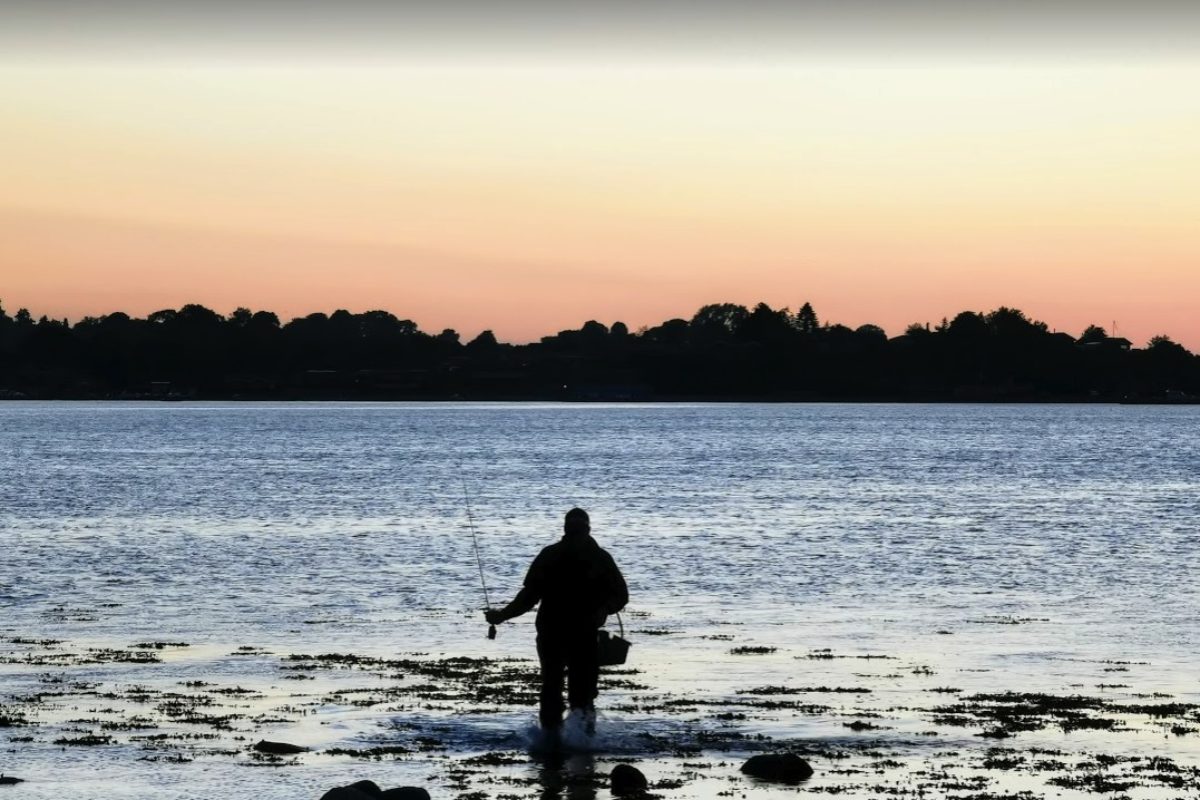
(568, 777)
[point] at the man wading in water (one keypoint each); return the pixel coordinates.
(579, 585)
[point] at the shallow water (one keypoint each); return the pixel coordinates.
(980, 548)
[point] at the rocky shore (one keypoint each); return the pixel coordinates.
(449, 719)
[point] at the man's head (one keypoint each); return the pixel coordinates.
(577, 522)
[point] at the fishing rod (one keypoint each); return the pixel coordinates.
(478, 558)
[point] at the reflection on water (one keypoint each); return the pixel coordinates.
(918, 554)
(571, 777)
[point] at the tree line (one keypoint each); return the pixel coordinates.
(723, 352)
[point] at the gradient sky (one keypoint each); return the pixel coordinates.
(526, 166)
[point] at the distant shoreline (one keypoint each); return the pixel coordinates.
(724, 353)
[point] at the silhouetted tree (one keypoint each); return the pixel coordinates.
(1164, 344)
(806, 320)
(871, 334)
(839, 339)
(766, 325)
(1168, 367)
(264, 321)
(594, 331)
(6, 325)
(485, 342)
(1010, 322)
(725, 351)
(671, 332)
(719, 320)
(198, 317)
(969, 327)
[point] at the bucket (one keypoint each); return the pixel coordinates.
(612, 650)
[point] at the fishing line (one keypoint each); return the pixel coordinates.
(475, 541)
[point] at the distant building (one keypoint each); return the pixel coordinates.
(1108, 343)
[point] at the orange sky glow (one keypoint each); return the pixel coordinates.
(528, 198)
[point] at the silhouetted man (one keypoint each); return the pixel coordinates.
(578, 585)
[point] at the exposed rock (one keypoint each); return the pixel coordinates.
(346, 793)
(405, 793)
(362, 790)
(279, 748)
(627, 779)
(779, 767)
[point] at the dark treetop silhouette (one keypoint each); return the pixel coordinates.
(724, 352)
(578, 585)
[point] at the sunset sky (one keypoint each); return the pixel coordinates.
(525, 167)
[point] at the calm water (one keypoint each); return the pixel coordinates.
(914, 531)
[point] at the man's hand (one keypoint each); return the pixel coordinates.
(494, 616)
